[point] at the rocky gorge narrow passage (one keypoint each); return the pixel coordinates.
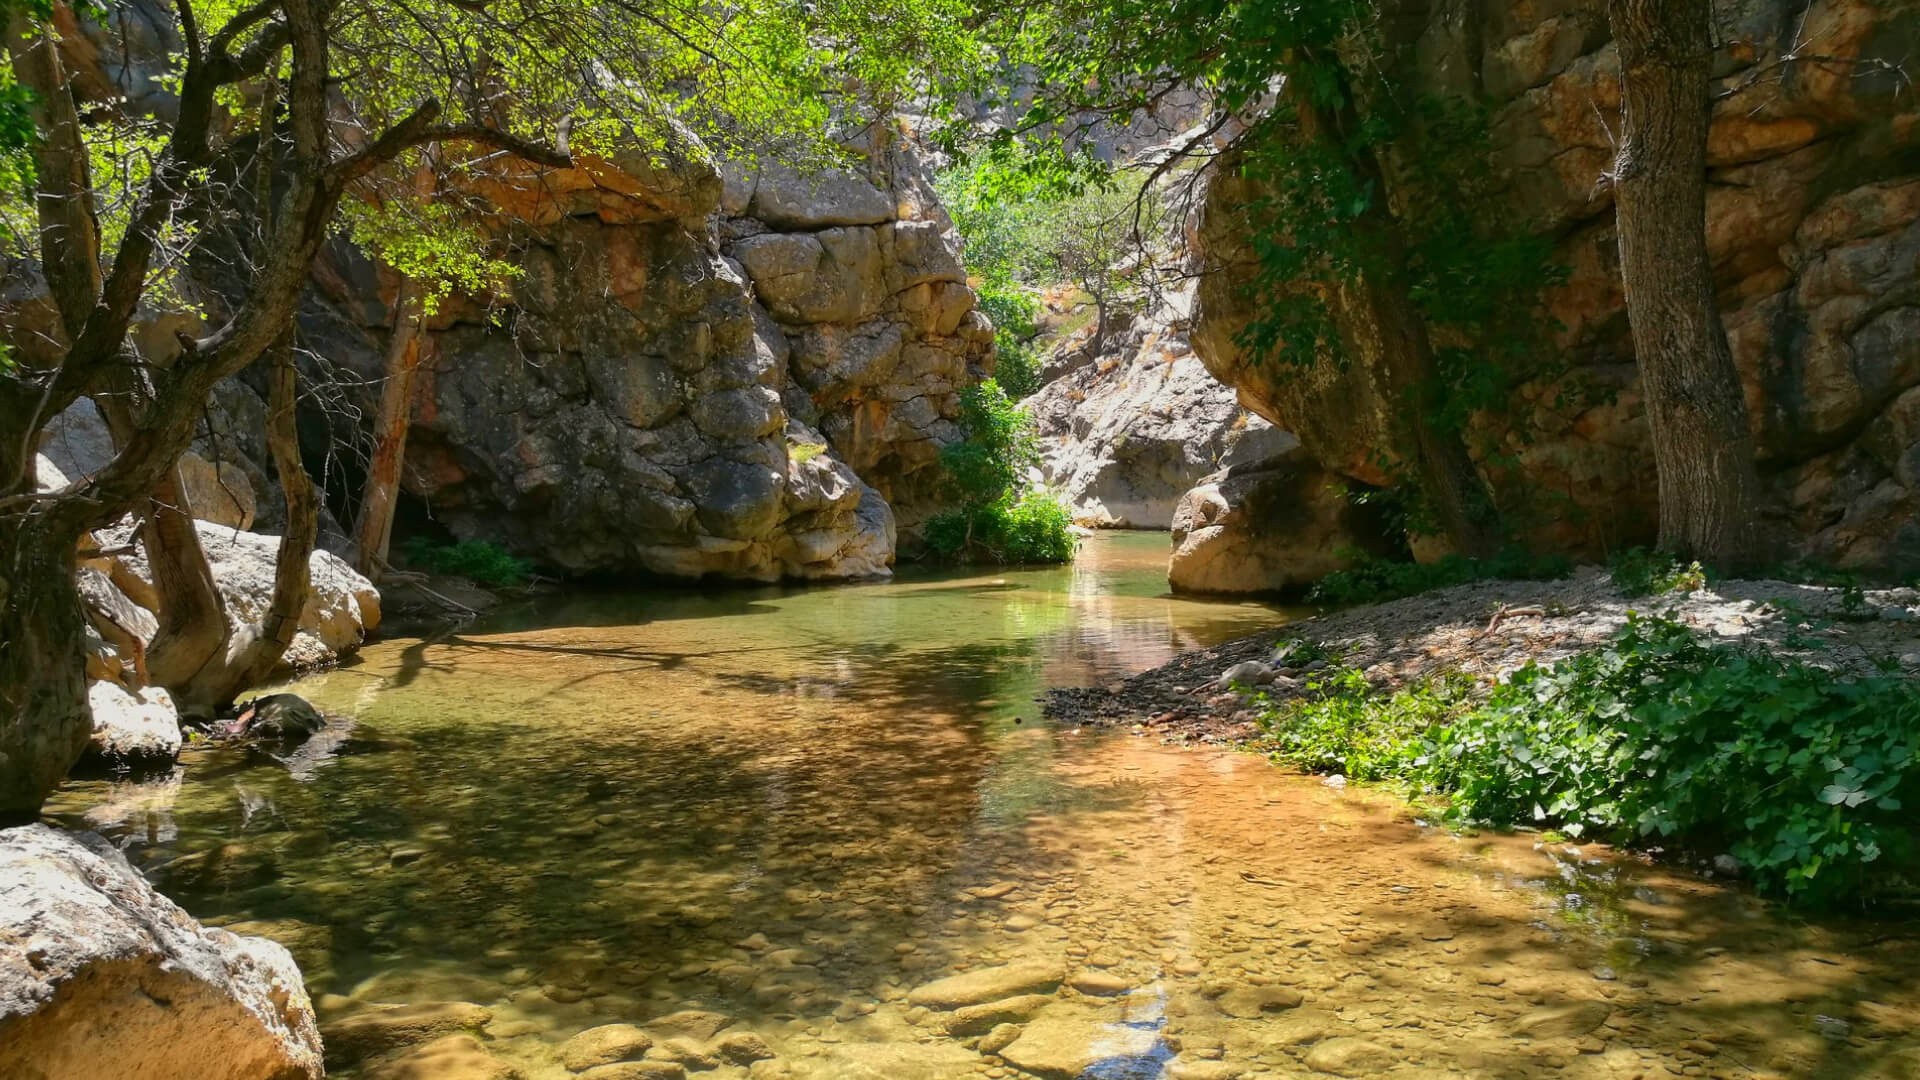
(824, 834)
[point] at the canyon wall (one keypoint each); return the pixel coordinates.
(1128, 425)
(746, 376)
(1814, 228)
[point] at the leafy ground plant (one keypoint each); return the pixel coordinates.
(1374, 581)
(1644, 572)
(1804, 776)
(1341, 727)
(478, 561)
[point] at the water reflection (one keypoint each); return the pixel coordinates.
(791, 807)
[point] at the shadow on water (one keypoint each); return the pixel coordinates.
(794, 805)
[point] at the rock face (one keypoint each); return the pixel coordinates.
(1126, 433)
(743, 380)
(1814, 228)
(1272, 526)
(95, 966)
(860, 272)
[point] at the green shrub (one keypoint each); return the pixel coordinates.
(1033, 527)
(1340, 727)
(1015, 313)
(1374, 581)
(1802, 775)
(995, 514)
(1643, 572)
(479, 561)
(1038, 528)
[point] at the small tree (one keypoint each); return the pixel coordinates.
(1095, 239)
(996, 513)
(1095, 233)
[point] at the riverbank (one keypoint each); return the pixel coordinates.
(1486, 630)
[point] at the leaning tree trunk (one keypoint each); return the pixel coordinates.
(374, 530)
(44, 719)
(254, 651)
(192, 615)
(1702, 447)
(1387, 334)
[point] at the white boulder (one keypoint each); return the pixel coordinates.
(102, 976)
(132, 726)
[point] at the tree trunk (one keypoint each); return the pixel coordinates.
(1385, 331)
(192, 615)
(253, 652)
(1387, 335)
(374, 530)
(44, 719)
(1702, 447)
(69, 230)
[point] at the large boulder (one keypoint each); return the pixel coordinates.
(1126, 433)
(342, 606)
(1066, 1044)
(1270, 527)
(220, 492)
(102, 976)
(132, 727)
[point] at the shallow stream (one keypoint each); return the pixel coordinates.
(790, 811)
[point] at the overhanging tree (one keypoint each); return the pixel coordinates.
(506, 87)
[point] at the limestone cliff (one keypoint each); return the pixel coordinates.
(743, 378)
(1127, 426)
(1814, 226)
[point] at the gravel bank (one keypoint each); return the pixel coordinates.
(1490, 628)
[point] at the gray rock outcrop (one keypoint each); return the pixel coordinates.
(101, 975)
(743, 377)
(342, 606)
(132, 727)
(1125, 434)
(1270, 527)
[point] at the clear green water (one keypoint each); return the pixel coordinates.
(793, 806)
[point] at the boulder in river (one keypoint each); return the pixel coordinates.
(452, 1057)
(97, 967)
(383, 1028)
(986, 984)
(132, 727)
(604, 1045)
(1276, 525)
(1064, 1045)
(281, 716)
